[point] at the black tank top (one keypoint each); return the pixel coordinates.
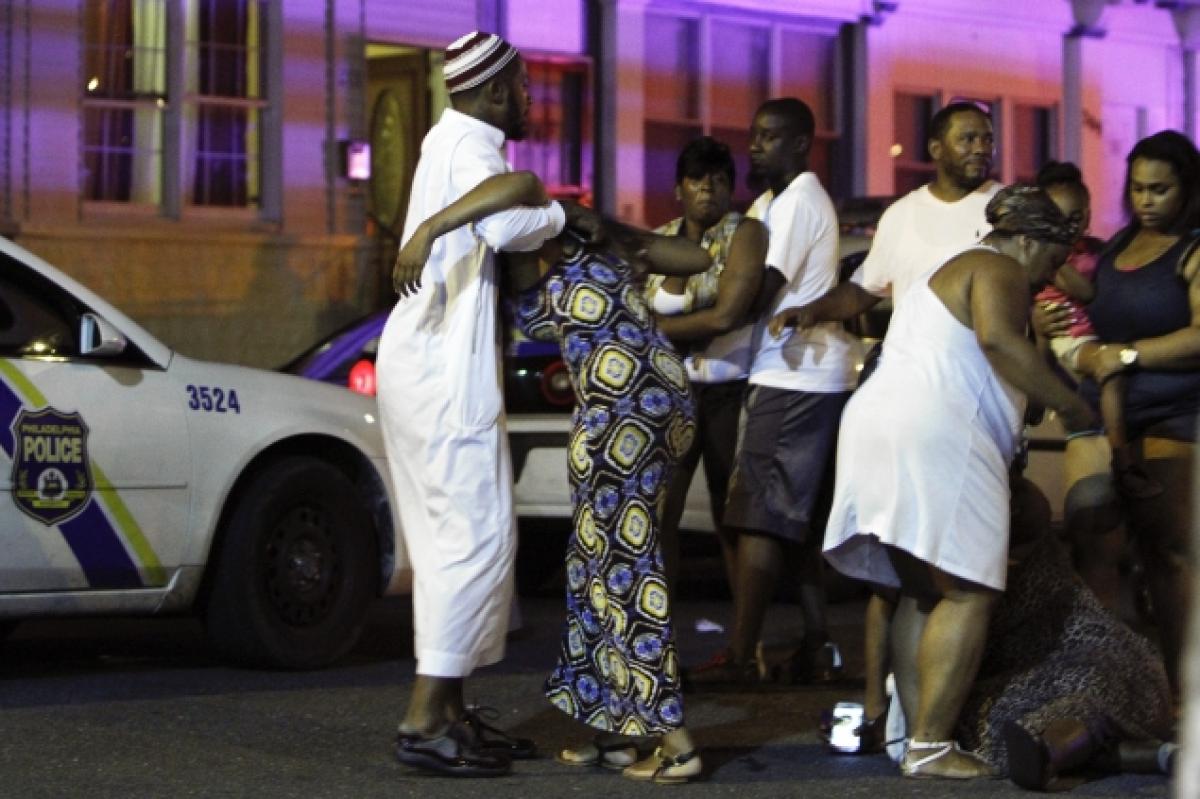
(1148, 302)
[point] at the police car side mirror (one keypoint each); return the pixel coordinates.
(98, 337)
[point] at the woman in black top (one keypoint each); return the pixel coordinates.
(1146, 313)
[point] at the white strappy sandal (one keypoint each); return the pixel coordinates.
(914, 764)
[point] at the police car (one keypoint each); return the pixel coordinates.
(134, 480)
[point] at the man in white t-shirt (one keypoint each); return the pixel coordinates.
(798, 383)
(916, 234)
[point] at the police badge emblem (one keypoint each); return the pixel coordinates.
(52, 480)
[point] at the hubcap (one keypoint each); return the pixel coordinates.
(303, 568)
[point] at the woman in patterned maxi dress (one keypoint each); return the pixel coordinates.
(618, 670)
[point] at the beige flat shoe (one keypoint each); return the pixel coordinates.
(666, 769)
(611, 755)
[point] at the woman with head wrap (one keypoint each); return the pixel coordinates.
(921, 501)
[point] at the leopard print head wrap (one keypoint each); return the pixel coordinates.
(1025, 209)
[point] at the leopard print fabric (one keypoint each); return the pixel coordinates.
(1054, 652)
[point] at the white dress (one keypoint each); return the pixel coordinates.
(923, 454)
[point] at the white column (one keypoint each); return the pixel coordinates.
(1187, 24)
(857, 114)
(622, 108)
(1087, 15)
(1072, 122)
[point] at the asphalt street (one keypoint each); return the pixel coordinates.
(141, 708)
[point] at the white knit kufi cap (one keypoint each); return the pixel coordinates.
(475, 59)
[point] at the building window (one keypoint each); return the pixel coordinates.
(708, 74)
(224, 101)
(1035, 133)
(144, 141)
(558, 148)
(911, 165)
(124, 101)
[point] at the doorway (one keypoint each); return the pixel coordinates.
(401, 103)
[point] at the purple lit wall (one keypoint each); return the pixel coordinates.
(307, 255)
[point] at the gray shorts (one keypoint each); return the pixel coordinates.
(784, 462)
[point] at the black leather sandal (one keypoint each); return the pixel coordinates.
(495, 740)
(453, 753)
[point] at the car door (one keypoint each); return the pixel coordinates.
(94, 465)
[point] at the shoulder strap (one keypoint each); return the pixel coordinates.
(1193, 241)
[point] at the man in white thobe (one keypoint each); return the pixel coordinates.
(441, 407)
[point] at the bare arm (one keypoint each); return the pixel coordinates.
(663, 255)
(497, 193)
(1068, 280)
(843, 302)
(1051, 321)
(674, 285)
(999, 308)
(736, 289)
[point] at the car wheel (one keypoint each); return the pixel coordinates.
(296, 568)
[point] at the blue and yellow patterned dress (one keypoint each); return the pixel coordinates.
(617, 668)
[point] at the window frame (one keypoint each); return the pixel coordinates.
(573, 63)
(154, 103)
(175, 194)
(1053, 143)
(921, 164)
(831, 116)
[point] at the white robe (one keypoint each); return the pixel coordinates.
(441, 408)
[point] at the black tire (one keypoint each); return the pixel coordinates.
(296, 570)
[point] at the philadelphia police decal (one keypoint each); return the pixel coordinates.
(51, 478)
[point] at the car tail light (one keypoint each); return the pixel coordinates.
(556, 385)
(362, 378)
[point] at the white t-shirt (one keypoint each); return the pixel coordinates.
(803, 247)
(919, 233)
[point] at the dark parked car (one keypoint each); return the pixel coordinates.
(535, 378)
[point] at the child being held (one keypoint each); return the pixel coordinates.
(1072, 289)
